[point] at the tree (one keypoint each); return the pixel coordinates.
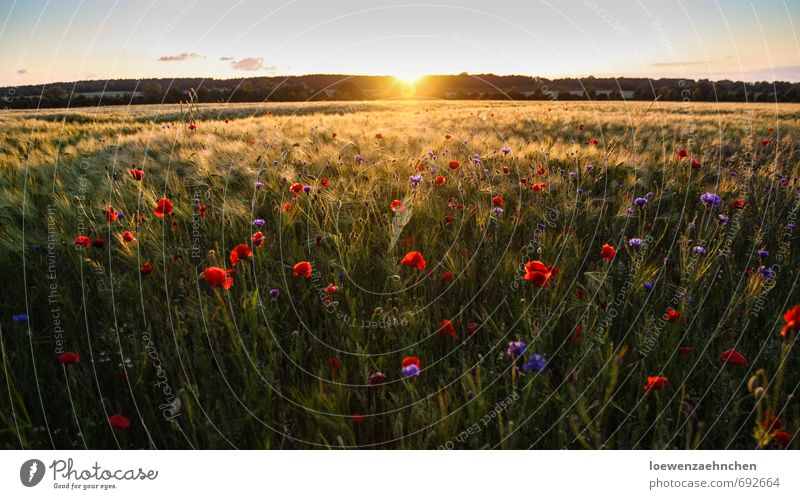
(153, 92)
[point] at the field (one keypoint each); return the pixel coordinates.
(121, 327)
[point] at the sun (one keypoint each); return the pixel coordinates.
(408, 76)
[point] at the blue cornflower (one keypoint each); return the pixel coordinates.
(20, 318)
(635, 242)
(410, 370)
(516, 349)
(640, 202)
(648, 286)
(259, 222)
(699, 250)
(259, 185)
(506, 150)
(274, 292)
(535, 363)
(723, 219)
(763, 253)
(710, 199)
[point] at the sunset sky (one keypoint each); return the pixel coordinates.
(63, 40)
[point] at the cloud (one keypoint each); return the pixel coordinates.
(180, 57)
(22, 71)
(226, 58)
(248, 64)
(674, 64)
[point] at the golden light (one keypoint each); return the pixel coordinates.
(408, 76)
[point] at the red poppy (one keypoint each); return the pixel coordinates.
(411, 361)
(414, 259)
(738, 204)
(770, 129)
(119, 422)
(439, 180)
(358, 418)
(696, 164)
(447, 276)
(792, 319)
(136, 173)
(453, 164)
(472, 327)
(331, 289)
(540, 187)
(782, 437)
(163, 208)
(146, 269)
(685, 350)
(378, 136)
(683, 154)
(539, 274)
(68, 358)
(201, 210)
(506, 170)
(218, 277)
(655, 383)
(333, 363)
(192, 126)
(498, 201)
(446, 327)
(672, 315)
(240, 252)
(258, 239)
(296, 188)
(765, 142)
(448, 136)
(325, 182)
(376, 379)
(83, 241)
(771, 422)
(733, 358)
(580, 293)
(302, 269)
(287, 207)
(448, 219)
(99, 243)
(576, 334)
(421, 167)
(607, 252)
(111, 214)
(593, 142)
(128, 236)
(397, 206)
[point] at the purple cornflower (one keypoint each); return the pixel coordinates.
(360, 159)
(699, 250)
(410, 370)
(710, 199)
(763, 253)
(648, 286)
(259, 222)
(766, 272)
(307, 189)
(274, 292)
(20, 318)
(640, 201)
(629, 211)
(259, 185)
(580, 191)
(497, 211)
(535, 363)
(589, 168)
(516, 349)
(415, 181)
(635, 242)
(723, 219)
(506, 150)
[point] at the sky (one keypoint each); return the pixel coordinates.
(43, 41)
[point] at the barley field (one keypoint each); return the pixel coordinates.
(400, 274)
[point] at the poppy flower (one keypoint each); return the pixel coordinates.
(448, 219)
(696, 164)
(771, 422)
(765, 142)
(607, 252)
(472, 327)
(541, 171)
(376, 379)
(333, 363)
(68, 358)
(498, 201)
(792, 320)
(733, 358)
(447, 136)
(439, 180)
(98, 242)
(506, 170)
(672, 315)
(146, 269)
(128, 236)
(576, 334)
(325, 182)
(287, 207)
(192, 127)
(540, 187)
(685, 350)
(539, 274)
(446, 327)
(302, 269)
(378, 136)
(136, 173)
(331, 289)
(656, 383)
(258, 239)
(738, 204)
(397, 206)
(447, 276)
(216, 276)
(453, 164)
(111, 214)
(296, 188)
(682, 154)
(240, 252)
(83, 241)
(119, 422)
(201, 210)
(411, 366)
(163, 208)
(414, 259)
(580, 293)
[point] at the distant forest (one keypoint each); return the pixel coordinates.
(343, 87)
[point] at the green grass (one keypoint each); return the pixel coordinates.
(240, 368)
